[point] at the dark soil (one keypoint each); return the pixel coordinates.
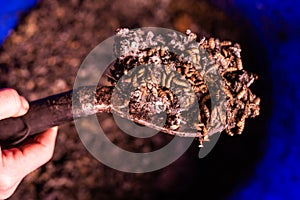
(41, 57)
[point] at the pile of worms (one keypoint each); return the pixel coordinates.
(190, 84)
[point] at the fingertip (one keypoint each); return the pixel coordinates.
(12, 104)
(24, 106)
(53, 130)
(48, 137)
(24, 103)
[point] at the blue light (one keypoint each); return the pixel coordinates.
(277, 176)
(9, 14)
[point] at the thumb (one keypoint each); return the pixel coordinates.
(12, 104)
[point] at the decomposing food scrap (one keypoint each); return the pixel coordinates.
(169, 77)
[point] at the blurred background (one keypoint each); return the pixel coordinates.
(44, 42)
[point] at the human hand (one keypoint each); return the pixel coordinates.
(16, 163)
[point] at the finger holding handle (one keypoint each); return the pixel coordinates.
(11, 104)
(47, 112)
(33, 117)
